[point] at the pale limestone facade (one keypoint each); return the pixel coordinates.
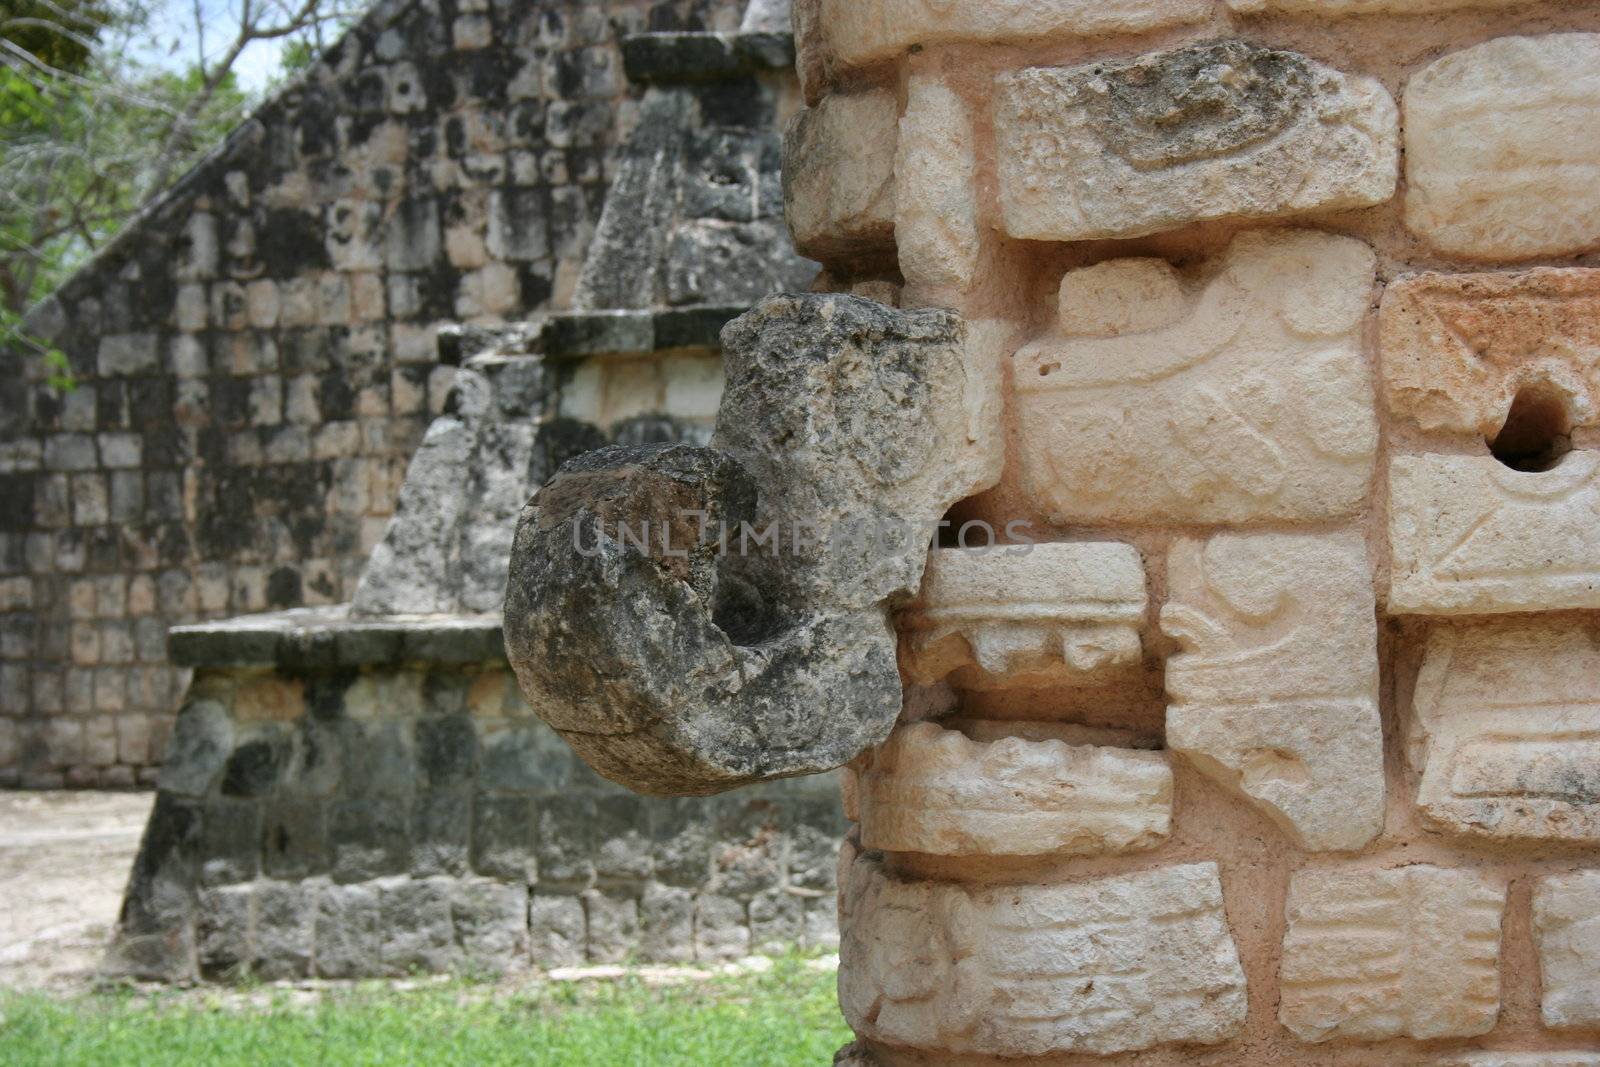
(1269, 732)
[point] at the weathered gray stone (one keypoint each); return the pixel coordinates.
(201, 742)
(613, 922)
(418, 929)
(674, 667)
(721, 928)
(666, 923)
(557, 930)
(284, 926)
(349, 930)
(222, 931)
(503, 837)
(777, 922)
(491, 925)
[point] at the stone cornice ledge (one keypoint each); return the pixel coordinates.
(329, 638)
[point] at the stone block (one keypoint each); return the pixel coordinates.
(666, 924)
(1025, 616)
(199, 747)
(1518, 1059)
(230, 841)
(557, 930)
(935, 198)
(370, 837)
(929, 789)
(1566, 930)
(441, 829)
(1098, 967)
(1377, 954)
(503, 835)
(1459, 349)
(777, 922)
(721, 928)
(1125, 148)
(1342, 8)
(1471, 536)
(1481, 187)
(285, 920)
(295, 842)
(1503, 727)
(1246, 398)
(222, 932)
(490, 920)
(838, 176)
(1275, 689)
(613, 924)
(349, 930)
(863, 32)
(418, 928)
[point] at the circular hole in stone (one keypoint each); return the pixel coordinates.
(1537, 431)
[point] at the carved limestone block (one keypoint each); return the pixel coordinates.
(1505, 730)
(1238, 396)
(1470, 535)
(1339, 8)
(1457, 348)
(838, 176)
(1025, 615)
(1518, 1059)
(694, 619)
(1105, 966)
(935, 201)
(862, 32)
(935, 790)
(1376, 954)
(1566, 928)
(1274, 693)
(1481, 183)
(1222, 129)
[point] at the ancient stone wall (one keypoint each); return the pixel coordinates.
(1280, 748)
(350, 800)
(257, 357)
(1244, 710)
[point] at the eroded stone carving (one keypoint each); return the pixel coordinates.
(1214, 130)
(1471, 536)
(1376, 954)
(935, 203)
(1361, 7)
(1275, 690)
(860, 32)
(1566, 928)
(1457, 348)
(1482, 185)
(1025, 616)
(1505, 730)
(1239, 398)
(931, 789)
(838, 176)
(674, 665)
(1521, 1059)
(1104, 966)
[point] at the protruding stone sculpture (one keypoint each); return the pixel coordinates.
(1247, 697)
(696, 619)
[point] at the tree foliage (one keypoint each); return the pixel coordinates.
(98, 116)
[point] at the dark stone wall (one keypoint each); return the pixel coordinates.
(256, 356)
(374, 818)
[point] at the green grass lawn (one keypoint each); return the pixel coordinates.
(784, 1018)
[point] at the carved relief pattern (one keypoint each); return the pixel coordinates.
(1103, 966)
(1506, 730)
(1412, 952)
(1471, 536)
(1252, 403)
